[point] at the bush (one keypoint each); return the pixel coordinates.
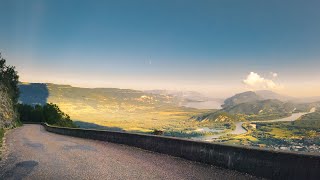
(10, 79)
(49, 113)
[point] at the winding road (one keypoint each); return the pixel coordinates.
(30, 152)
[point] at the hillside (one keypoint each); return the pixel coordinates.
(306, 107)
(266, 94)
(309, 121)
(217, 116)
(8, 115)
(35, 93)
(39, 93)
(250, 96)
(270, 106)
(244, 97)
(9, 93)
(190, 95)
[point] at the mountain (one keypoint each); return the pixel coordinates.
(250, 96)
(244, 97)
(191, 99)
(306, 107)
(185, 95)
(265, 94)
(34, 93)
(270, 106)
(40, 93)
(307, 99)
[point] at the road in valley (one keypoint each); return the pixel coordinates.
(30, 152)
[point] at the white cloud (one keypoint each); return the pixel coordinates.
(255, 81)
(273, 74)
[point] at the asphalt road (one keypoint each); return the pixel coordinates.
(30, 152)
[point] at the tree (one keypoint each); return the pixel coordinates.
(10, 79)
(49, 113)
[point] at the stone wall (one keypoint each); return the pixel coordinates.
(258, 162)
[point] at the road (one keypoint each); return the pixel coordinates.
(30, 152)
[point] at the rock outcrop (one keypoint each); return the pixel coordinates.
(8, 114)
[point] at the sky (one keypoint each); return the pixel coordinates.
(215, 47)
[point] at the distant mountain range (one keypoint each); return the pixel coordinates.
(186, 95)
(250, 96)
(265, 94)
(260, 105)
(40, 93)
(268, 106)
(192, 99)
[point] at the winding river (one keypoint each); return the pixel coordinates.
(240, 130)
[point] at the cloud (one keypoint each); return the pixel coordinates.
(273, 74)
(255, 81)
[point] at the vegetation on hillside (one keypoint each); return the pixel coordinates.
(9, 79)
(49, 113)
(9, 92)
(218, 116)
(244, 97)
(270, 106)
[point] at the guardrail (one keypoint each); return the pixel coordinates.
(259, 162)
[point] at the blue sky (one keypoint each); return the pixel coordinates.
(208, 46)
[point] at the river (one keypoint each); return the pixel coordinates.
(293, 117)
(240, 130)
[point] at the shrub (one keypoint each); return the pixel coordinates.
(49, 113)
